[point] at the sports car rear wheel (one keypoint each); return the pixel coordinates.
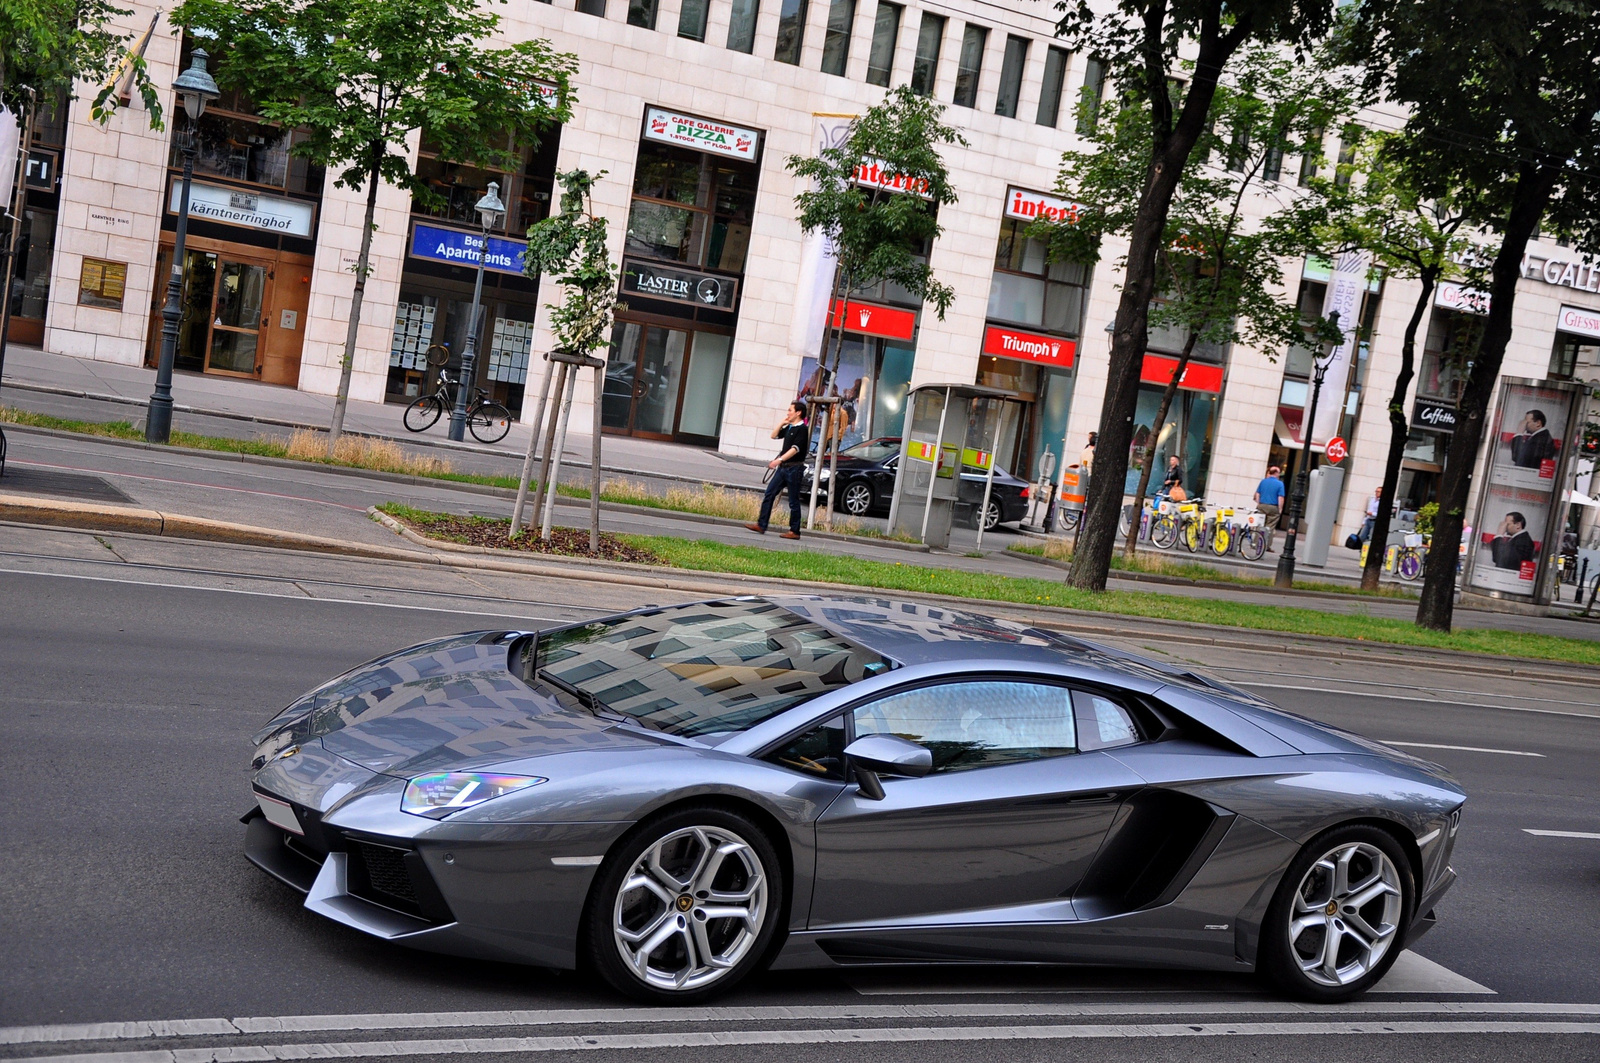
(1335, 926)
(686, 906)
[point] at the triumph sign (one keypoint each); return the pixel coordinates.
(1028, 346)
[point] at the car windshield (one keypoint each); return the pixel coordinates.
(872, 450)
(701, 669)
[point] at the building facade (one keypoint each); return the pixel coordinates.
(692, 107)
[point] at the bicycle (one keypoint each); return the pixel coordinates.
(1191, 526)
(1409, 558)
(487, 420)
(1244, 534)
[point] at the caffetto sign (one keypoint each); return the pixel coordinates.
(679, 285)
(1430, 413)
(232, 206)
(702, 134)
(1028, 346)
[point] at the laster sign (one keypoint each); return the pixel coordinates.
(1028, 347)
(1027, 206)
(681, 285)
(702, 134)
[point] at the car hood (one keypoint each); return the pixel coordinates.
(441, 706)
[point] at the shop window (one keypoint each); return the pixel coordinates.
(1016, 58)
(885, 34)
(925, 66)
(836, 44)
(1187, 432)
(1425, 446)
(969, 67)
(1055, 78)
(707, 380)
(459, 186)
(791, 31)
(1030, 290)
(690, 207)
(1094, 87)
(742, 25)
(1452, 343)
(30, 281)
(642, 13)
(692, 19)
(1574, 357)
(597, 8)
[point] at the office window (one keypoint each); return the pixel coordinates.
(1272, 165)
(1349, 140)
(1005, 102)
(885, 34)
(791, 31)
(925, 67)
(1311, 157)
(1094, 87)
(836, 43)
(597, 8)
(970, 66)
(692, 19)
(642, 13)
(1055, 76)
(742, 25)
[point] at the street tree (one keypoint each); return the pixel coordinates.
(51, 45)
(570, 248)
(1232, 221)
(876, 196)
(1409, 237)
(359, 77)
(1139, 42)
(1512, 113)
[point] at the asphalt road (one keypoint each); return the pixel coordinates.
(133, 670)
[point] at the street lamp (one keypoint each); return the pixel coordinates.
(490, 211)
(1284, 578)
(195, 88)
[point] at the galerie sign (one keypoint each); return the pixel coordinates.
(701, 134)
(463, 249)
(1028, 347)
(251, 210)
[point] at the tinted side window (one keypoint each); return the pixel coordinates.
(819, 752)
(976, 724)
(1102, 723)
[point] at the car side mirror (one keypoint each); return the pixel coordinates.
(882, 754)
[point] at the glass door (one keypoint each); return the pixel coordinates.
(236, 320)
(644, 378)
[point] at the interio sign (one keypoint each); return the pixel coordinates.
(1028, 346)
(1027, 206)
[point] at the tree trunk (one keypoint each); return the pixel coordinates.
(822, 364)
(1437, 608)
(1150, 447)
(1399, 431)
(1169, 154)
(349, 360)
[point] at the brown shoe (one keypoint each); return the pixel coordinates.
(758, 529)
(790, 535)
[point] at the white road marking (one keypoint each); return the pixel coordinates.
(1562, 834)
(589, 1017)
(1415, 973)
(1430, 701)
(1463, 749)
(729, 1038)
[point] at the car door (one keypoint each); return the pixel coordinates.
(1001, 830)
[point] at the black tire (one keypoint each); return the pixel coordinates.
(609, 907)
(423, 414)
(992, 513)
(857, 498)
(1252, 544)
(489, 422)
(1282, 961)
(1164, 532)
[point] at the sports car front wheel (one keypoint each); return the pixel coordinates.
(1337, 922)
(685, 906)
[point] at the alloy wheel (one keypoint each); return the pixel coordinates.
(857, 499)
(690, 908)
(1346, 913)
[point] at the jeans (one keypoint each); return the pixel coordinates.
(784, 477)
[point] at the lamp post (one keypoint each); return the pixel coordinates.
(196, 88)
(1284, 577)
(490, 211)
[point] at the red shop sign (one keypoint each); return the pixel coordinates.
(873, 320)
(1196, 376)
(1028, 346)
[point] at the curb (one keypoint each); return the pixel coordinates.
(50, 513)
(420, 441)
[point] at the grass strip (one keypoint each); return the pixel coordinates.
(1199, 570)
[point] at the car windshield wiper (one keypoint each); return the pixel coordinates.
(585, 698)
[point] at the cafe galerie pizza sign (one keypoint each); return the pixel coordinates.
(701, 134)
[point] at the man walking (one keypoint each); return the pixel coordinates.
(1269, 500)
(786, 469)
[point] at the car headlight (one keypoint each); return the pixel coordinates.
(438, 795)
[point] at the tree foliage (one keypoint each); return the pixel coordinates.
(877, 233)
(570, 248)
(52, 44)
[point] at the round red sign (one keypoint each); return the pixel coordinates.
(1336, 450)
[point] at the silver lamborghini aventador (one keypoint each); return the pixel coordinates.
(678, 797)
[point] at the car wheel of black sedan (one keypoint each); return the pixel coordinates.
(1334, 928)
(991, 516)
(685, 906)
(857, 499)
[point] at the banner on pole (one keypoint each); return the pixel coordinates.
(814, 284)
(1345, 288)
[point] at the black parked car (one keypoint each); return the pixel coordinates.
(866, 485)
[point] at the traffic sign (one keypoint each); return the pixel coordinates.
(1336, 450)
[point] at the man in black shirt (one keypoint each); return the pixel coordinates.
(786, 469)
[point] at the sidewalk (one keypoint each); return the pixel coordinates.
(31, 369)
